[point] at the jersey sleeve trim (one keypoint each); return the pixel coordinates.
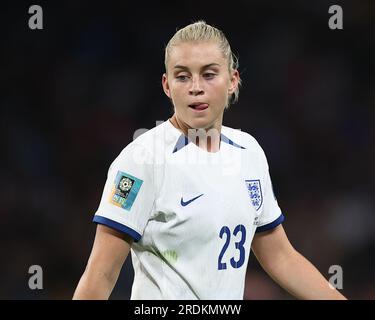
(117, 226)
(271, 225)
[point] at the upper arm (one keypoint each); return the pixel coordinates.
(271, 246)
(269, 214)
(129, 193)
(109, 252)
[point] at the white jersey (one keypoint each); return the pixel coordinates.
(192, 213)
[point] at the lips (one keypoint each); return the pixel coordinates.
(199, 106)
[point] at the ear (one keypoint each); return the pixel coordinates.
(164, 81)
(234, 80)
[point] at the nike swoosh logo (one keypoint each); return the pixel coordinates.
(185, 203)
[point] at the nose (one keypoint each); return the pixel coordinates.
(196, 88)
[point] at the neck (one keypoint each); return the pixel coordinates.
(206, 138)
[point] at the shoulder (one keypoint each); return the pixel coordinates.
(243, 139)
(253, 152)
(149, 145)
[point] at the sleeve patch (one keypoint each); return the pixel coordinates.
(125, 190)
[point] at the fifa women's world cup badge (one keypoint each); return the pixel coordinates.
(124, 187)
(125, 190)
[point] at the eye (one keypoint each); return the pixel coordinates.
(182, 78)
(209, 75)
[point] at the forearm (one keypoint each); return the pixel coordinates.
(109, 252)
(94, 285)
(301, 279)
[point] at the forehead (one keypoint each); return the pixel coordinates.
(191, 54)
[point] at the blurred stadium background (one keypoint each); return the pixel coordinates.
(73, 94)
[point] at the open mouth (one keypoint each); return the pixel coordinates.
(200, 106)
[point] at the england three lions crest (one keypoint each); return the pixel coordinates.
(255, 193)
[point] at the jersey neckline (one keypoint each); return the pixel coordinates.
(186, 141)
(183, 140)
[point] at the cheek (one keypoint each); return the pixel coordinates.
(221, 90)
(176, 95)
(174, 92)
(221, 83)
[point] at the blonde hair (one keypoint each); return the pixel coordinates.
(201, 31)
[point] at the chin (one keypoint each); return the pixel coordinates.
(200, 124)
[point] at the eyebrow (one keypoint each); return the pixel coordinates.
(178, 66)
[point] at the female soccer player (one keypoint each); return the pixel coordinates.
(190, 197)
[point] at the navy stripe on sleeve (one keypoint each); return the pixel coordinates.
(117, 226)
(271, 225)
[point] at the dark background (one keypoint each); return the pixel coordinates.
(73, 94)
